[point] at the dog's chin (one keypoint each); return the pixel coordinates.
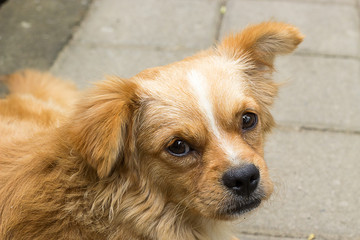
(237, 207)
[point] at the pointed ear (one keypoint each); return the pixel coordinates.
(256, 47)
(100, 126)
(262, 42)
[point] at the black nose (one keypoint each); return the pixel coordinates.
(242, 180)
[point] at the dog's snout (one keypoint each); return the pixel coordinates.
(242, 180)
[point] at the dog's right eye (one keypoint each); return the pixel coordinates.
(179, 148)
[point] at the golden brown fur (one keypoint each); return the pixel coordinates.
(99, 169)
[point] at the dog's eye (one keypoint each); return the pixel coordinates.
(179, 148)
(249, 121)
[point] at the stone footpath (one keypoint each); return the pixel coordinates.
(314, 154)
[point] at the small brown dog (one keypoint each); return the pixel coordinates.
(169, 154)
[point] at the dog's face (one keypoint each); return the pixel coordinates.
(193, 130)
(200, 132)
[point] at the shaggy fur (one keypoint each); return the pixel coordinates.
(98, 167)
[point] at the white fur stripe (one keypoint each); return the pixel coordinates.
(199, 85)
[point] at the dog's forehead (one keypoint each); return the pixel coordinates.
(215, 75)
(217, 83)
(212, 86)
(212, 80)
(209, 91)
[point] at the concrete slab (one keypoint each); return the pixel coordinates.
(33, 32)
(330, 28)
(3, 90)
(260, 237)
(349, 2)
(157, 33)
(319, 92)
(84, 64)
(315, 174)
(157, 23)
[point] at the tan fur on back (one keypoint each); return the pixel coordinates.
(96, 165)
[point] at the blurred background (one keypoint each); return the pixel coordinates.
(313, 154)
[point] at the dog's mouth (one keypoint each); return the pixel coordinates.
(243, 208)
(236, 208)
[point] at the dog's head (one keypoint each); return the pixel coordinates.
(194, 129)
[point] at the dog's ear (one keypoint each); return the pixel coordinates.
(256, 47)
(100, 125)
(261, 43)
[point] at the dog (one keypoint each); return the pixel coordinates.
(175, 152)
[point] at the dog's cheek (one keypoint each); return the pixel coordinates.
(266, 183)
(209, 191)
(255, 142)
(176, 181)
(209, 196)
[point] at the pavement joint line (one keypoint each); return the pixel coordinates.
(274, 235)
(358, 10)
(357, 6)
(300, 128)
(334, 130)
(295, 235)
(2, 2)
(325, 55)
(70, 39)
(136, 46)
(221, 12)
(312, 2)
(177, 49)
(66, 43)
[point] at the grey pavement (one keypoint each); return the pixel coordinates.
(314, 153)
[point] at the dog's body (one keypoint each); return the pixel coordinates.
(168, 154)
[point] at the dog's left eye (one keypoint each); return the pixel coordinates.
(249, 121)
(179, 148)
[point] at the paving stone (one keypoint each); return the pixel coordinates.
(349, 2)
(329, 28)
(314, 173)
(319, 92)
(158, 23)
(259, 237)
(3, 90)
(84, 64)
(33, 32)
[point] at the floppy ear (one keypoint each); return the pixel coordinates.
(100, 125)
(262, 42)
